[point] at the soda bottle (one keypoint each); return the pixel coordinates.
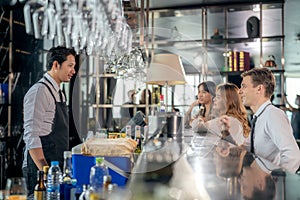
(97, 173)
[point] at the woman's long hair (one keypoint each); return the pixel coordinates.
(210, 87)
(234, 105)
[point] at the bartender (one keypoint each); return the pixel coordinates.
(46, 120)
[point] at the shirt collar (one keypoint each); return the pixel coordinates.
(56, 86)
(260, 109)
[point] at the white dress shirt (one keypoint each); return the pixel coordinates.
(274, 143)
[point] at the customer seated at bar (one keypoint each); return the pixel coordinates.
(203, 104)
(227, 102)
(272, 135)
(271, 139)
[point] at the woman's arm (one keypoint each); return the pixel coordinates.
(231, 130)
(198, 125)
(188, 117)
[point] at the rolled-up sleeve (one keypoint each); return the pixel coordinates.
(39, 110)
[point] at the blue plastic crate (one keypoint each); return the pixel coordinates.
(82, 166)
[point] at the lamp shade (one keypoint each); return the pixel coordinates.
(166, 69)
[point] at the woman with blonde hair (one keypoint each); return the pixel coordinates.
(227, 102)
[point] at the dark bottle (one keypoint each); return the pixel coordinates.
(67, 188)
(45, 169)
(40, 188)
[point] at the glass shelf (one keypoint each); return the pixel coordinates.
(123, 106)
(99, 75)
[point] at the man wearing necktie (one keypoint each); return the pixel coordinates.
(271, 138)
(46, 120)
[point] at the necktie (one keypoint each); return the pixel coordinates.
(253, 121)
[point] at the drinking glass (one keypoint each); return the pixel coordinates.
(17, 188)
(4, 195)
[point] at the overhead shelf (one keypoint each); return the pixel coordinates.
(171, 5)
(220, 41)
(274, 70)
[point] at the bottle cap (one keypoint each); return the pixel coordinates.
(99, 159)
(54, 163)
(74, 181)
(161, 97)
(67, 154)
(45, 168)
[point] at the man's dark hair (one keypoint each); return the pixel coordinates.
(262, 76)
(58, 54)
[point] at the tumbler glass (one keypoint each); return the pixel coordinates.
(17, 188)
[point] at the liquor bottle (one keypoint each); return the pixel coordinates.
(106, 182)
(138, 139)
(45, 170)
(67, 188)
(128, 131)
(40, 188)
(162, 104)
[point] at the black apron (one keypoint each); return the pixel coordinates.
(53, 144)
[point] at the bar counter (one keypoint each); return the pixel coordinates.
(202, 166)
